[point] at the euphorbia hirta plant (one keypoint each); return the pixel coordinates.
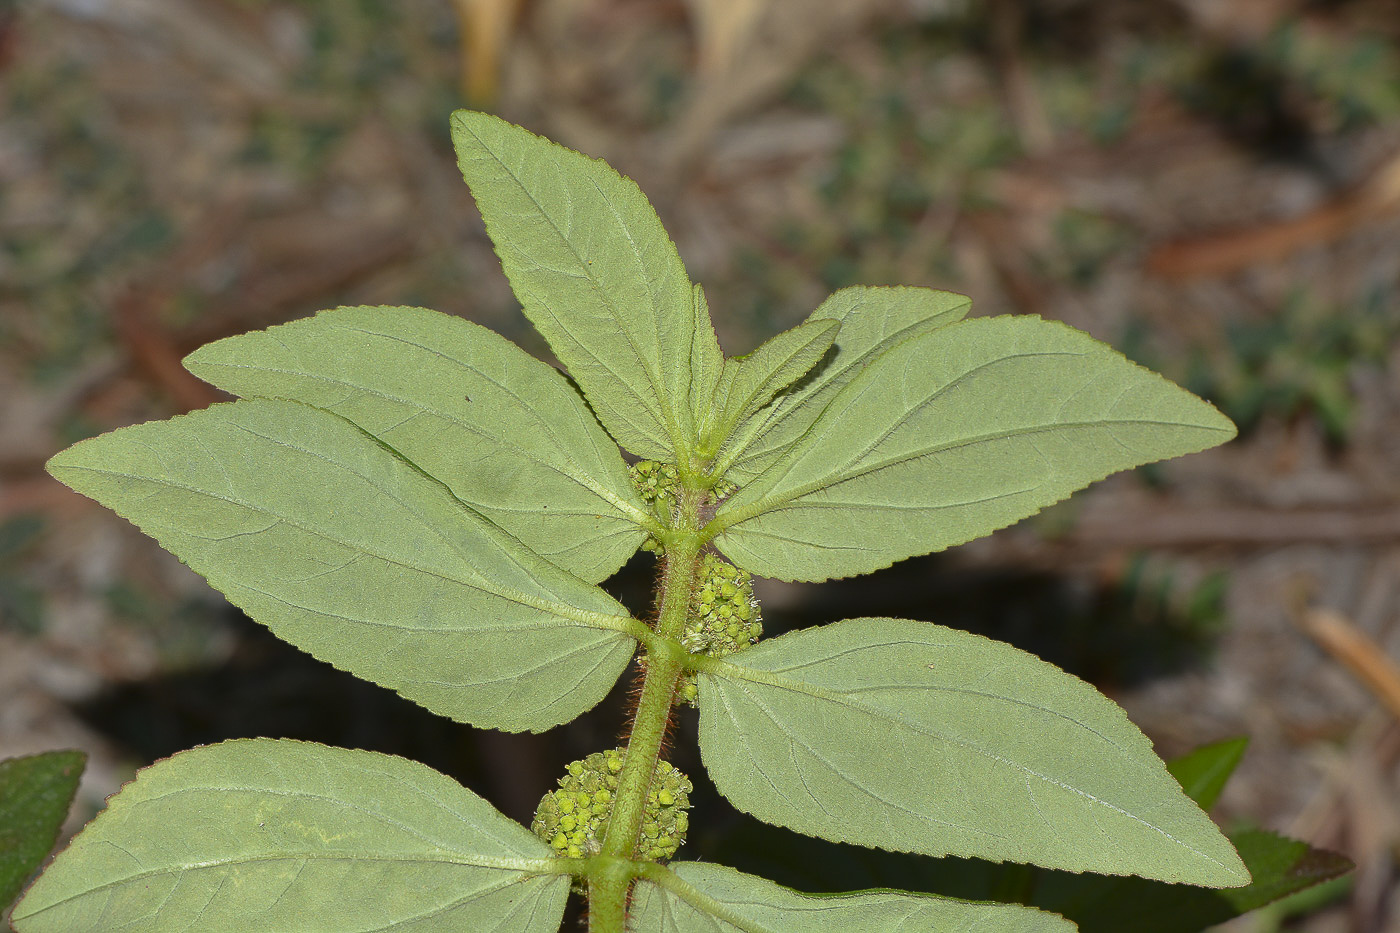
(414, 499)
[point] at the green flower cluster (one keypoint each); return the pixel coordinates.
(723, 490)
(656, 482)
(726, 619)
(574, 818)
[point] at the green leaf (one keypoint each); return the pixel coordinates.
(707, 364)
(749, 383)
(264, 834)
(915, 737)
(505, 432)
(949, 436)
(1099, 904)
(349, 551)
(692, 897)
(1203, 773)
(872, 319)
(35, 794)
(1279, 866)
(597, 275)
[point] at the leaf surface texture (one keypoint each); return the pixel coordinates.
(505, 432)
(349, 551)
(915, 737)
(267, 834)
(949, 436)
(731, 901)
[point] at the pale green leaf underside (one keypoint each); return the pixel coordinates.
(951, 435)
(872, 319)
(749, 383)
(265, 834)
(701, 898)
(346, 550)
(505, 432)
(595, 271)
(919, 738)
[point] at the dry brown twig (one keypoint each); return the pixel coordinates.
(483, 33)
(1229, 251)
(1357, 652)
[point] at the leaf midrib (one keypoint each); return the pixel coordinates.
(583, 617)
(770, 502)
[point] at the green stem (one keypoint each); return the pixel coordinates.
(608, 888)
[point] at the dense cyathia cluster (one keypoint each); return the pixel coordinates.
(723, 490)
(574, 818)
(726, 619)
(656, 482)
(726, 616)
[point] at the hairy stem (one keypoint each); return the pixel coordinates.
(665, 662)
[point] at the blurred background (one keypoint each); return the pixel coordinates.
(1211, 186)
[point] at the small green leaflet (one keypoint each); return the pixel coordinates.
(595, 271)
(265, 834)
(505, 432)
(1204, 772)
(949, 436)
(1277, 865)
(749, 383)
(347, 550)
(707, 364)
(872, 319)
(692, 897)
(35, 794)
(911, 736)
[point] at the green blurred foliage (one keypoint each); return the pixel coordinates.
(21, 601)
(1298, 361)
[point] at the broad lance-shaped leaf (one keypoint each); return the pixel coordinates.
(595, 271)
(692, 897)
(872, 319)
(915, 737)
(267, 834)
(951, 435)
(749, 383)
(35, 794)
(505, 432)
(349, 551)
